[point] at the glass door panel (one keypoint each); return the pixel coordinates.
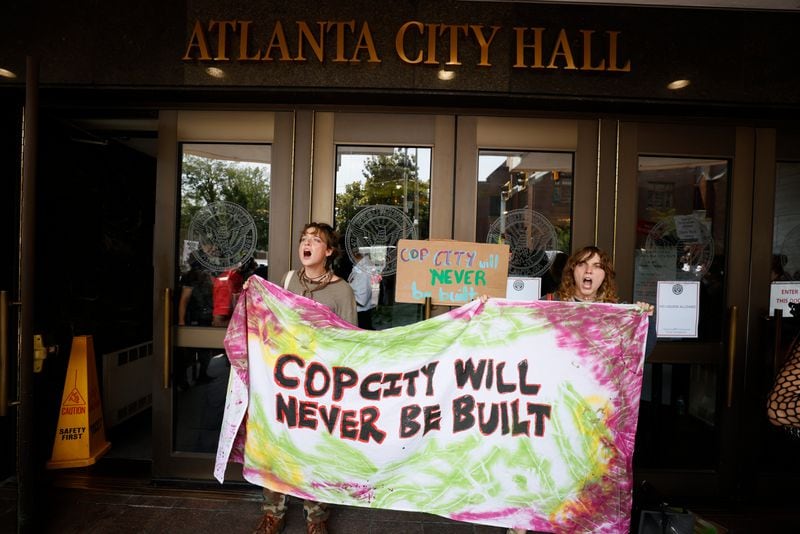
(524, 199)
(682, 219)
(680, 235)
(683, 196)
(223, 232)
(382, 196)
(777, 456)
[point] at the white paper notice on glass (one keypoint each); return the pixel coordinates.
(782, 295)
(677, 309)
(523, 288)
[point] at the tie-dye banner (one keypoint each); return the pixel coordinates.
(504, 413)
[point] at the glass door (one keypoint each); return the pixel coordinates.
(683, 214)
(223, 239)
(11, 122)
(216, 192)
(391, 179)
(525, 201)
(382, 196)
(778, 314)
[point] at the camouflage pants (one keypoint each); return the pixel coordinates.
(275, 503)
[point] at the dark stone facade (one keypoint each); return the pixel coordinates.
(739, 62)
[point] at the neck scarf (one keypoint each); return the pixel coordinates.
(318, 283)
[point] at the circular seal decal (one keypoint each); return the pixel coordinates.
(685, 238)
(377, 229)
(225, 234)
(677, 289)
(531, 239)
(518, 285)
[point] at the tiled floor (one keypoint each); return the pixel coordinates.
(81, 511)
(81, 503)
(152, 509)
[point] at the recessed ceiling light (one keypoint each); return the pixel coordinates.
(446, 75)
(215, 72)
(678, 84)
(5, 73)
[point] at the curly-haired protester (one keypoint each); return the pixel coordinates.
(593, 279)
(589, 276)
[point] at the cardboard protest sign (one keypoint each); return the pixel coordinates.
(506, 413)
(449, 272)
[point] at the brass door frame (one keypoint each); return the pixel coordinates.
(302, 189)
(736, 144)
(25, 408)
(176, 127)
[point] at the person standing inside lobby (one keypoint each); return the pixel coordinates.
(360, 280)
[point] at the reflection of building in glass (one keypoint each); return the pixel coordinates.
(682, 186)
(537, 181)
(660, 195)
(562, 189)
(682, 217)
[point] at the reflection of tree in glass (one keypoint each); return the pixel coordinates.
(563, 237)
(392, 180)
(205, 180)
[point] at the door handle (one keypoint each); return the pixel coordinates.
(731, 351)
(167, 336)
(3, 353)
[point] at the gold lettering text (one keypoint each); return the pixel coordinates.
(477, 30)
(536, 46)
(430, 58)
(399, 42)
(340, 28)
(197, 42)
(222, 37)
(612, 54)
(315, 44)
(365, 42)
(244, 39)
(562, 49)
(277, 41)
(416, 43)
(453, 31)
(587, 52)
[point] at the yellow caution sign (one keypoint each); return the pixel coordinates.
(80, 435)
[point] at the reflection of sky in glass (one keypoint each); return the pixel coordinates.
(352, 165)
(488, 164)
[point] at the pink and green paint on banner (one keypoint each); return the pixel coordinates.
(504, 413)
